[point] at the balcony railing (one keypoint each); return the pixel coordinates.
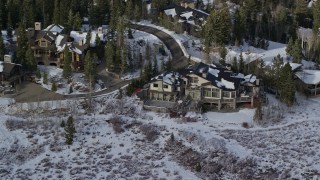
(244, 99)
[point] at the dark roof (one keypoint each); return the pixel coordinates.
(8, 67)
(215, 74)
(188, 1)
(180, 10)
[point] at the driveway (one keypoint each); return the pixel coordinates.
(31, 92)
(179, 61)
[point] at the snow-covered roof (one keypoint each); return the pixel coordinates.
(214, 72)
(54, 28)
(187, 15)
(226, 84)
(81, 36)
(311, 3)
(250, 78)
(169, 78)
(295, 66)
(170, 12)
(58, 40)
(1, 66)
(311, 77)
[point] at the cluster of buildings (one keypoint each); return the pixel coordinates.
(201, 86)
(49, 44)
(191, 20)
(48, 47)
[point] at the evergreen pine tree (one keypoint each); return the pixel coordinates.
(148, 53)
(316, 17)
(62, 124)
(77, 22)
(137, 13)
(88, 38)
(56, 13)
(124, 63)
(130, 36)
(301, 11)
(22, 44)
(172, 137)
(287, 88)
(99, 47)
(29, 63)
(217, 28)
(290, 46)
(90, 66)
(87, 65)
(54, 86)
(277, 64)
(70, 130)
(67, 71)
(241, 64)
(155, 64)
(70, 89)
(38, 73)
(121, 26)
(70, 23)
(45, 78)
(3, 15)
(223, 53)
(198, 167)
(109, 55)
(235, 64)
(129, 9)
(2, 49)
(297, 52)
(239, 26)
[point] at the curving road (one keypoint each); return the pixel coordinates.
(32, 92)
(179, 61)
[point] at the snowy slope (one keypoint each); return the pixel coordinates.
(285, 148)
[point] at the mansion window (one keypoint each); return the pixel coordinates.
(155, 85)
(43, 43)
(226, 94)
(194, 80)
(208, 92)
(165, 86)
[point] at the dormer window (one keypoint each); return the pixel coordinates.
(43, 43)
(194, 80)
(155, 85)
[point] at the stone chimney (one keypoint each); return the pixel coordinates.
(100, 30)
(81, 42)
(7, 58)
(37, 26)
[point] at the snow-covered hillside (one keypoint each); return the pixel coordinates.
(120, 140)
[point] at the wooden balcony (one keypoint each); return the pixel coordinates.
(244, 99)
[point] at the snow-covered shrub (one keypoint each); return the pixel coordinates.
(117, 123)
(150, 131)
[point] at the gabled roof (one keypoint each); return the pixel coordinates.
(7, 67)
(185, 14)
(218, 76)
(54, 28)
(170, 78)
(311, 77)
(49, 36)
